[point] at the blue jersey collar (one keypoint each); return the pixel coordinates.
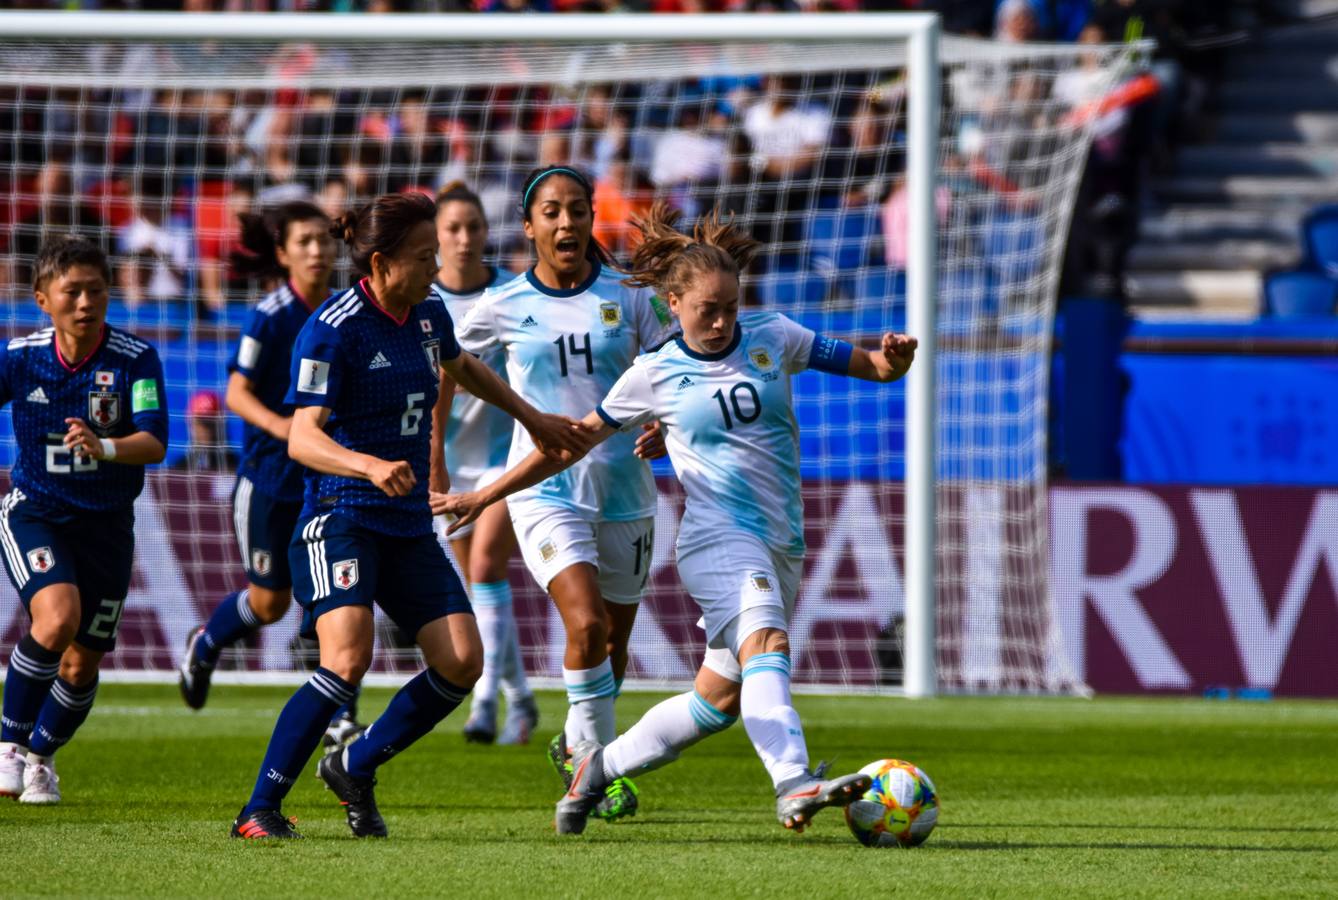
(595, 269)
(713, 357)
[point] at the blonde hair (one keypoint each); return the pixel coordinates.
(668, 260)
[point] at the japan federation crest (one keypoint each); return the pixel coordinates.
(433, 350)
(41, 560)
(346, 574)
(104, 408)
(261, 562)
(426, 325)
(760, 358)
(610, 315)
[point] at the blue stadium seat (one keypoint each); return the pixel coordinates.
(1319, 232)
(789, 291)
(1014, 244)
(839, 240)
(1300, 293)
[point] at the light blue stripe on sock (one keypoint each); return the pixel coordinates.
(707, 716)
(767, 662)
(491, 593)
(600, 687)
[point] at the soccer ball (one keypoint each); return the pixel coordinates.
(900, 809)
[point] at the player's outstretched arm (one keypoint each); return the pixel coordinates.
(528, 472)
(138, 449)
(889, 362)
(438, 479)
(312, 447)
(241, 399)
(552, 434)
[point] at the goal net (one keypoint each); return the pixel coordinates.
(153, 147)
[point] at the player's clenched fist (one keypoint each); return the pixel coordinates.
(395, 478)
(898, 353)
(82, 440)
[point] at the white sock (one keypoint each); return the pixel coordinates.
(514, 683)
(492, 611)
(665, 731)
(590, 693)
(772, 723)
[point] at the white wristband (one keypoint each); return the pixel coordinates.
(108, 449)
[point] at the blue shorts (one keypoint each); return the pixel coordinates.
(264, 528)
(94, 551)
(336, 562)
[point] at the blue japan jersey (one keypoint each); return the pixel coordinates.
(379, 379)
(265, 356)
(117, 389)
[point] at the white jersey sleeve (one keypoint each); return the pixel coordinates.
(798, 344)
(655, 324)
(478, 332)
(631, 400)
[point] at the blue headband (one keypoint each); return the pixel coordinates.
(556, 170)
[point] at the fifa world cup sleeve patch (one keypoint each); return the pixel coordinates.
(661, 309)
(144, 396)
(314, 377)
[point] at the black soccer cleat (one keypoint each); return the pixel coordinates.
(264, 824)
(193, 676)
(355, 795)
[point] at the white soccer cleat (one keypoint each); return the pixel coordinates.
(41, 784)
(12, 762)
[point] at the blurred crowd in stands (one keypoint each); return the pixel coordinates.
(162, 173)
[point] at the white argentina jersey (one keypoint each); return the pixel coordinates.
(564, 350)
(729, 426)
(478, 434)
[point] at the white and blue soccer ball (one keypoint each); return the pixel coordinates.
(900, 809)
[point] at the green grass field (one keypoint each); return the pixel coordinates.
(1041, 797)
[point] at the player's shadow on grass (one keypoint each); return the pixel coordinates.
(1247, 829)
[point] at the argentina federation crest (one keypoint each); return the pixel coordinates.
(432, 349)
(763, 362)
(611, 317)
(104, 409)
(345, 574)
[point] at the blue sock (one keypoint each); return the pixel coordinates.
(413, 712)
(350, 708)
(65, 709)
(296, 735)
(233, 619)
(32, 669)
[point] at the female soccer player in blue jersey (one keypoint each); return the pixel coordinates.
(291, 242)
(88, 417)
(722, 390)
(477, 439)
(367, 367)
(569, 328)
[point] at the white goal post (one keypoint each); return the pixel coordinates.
(913, 45)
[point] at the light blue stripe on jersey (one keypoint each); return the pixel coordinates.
(767, 662)
(707, 717)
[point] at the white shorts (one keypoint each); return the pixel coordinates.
(464, 482)
(741, 587)
(552, 538)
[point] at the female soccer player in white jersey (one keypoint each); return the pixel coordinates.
(89, 415)
(364, 366)
(722, 390)
(570, 328)
(292, 242)
(477, 439)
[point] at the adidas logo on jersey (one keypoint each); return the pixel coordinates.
(685, 383)
(379, 362)
(529, 322)
(38, 396)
